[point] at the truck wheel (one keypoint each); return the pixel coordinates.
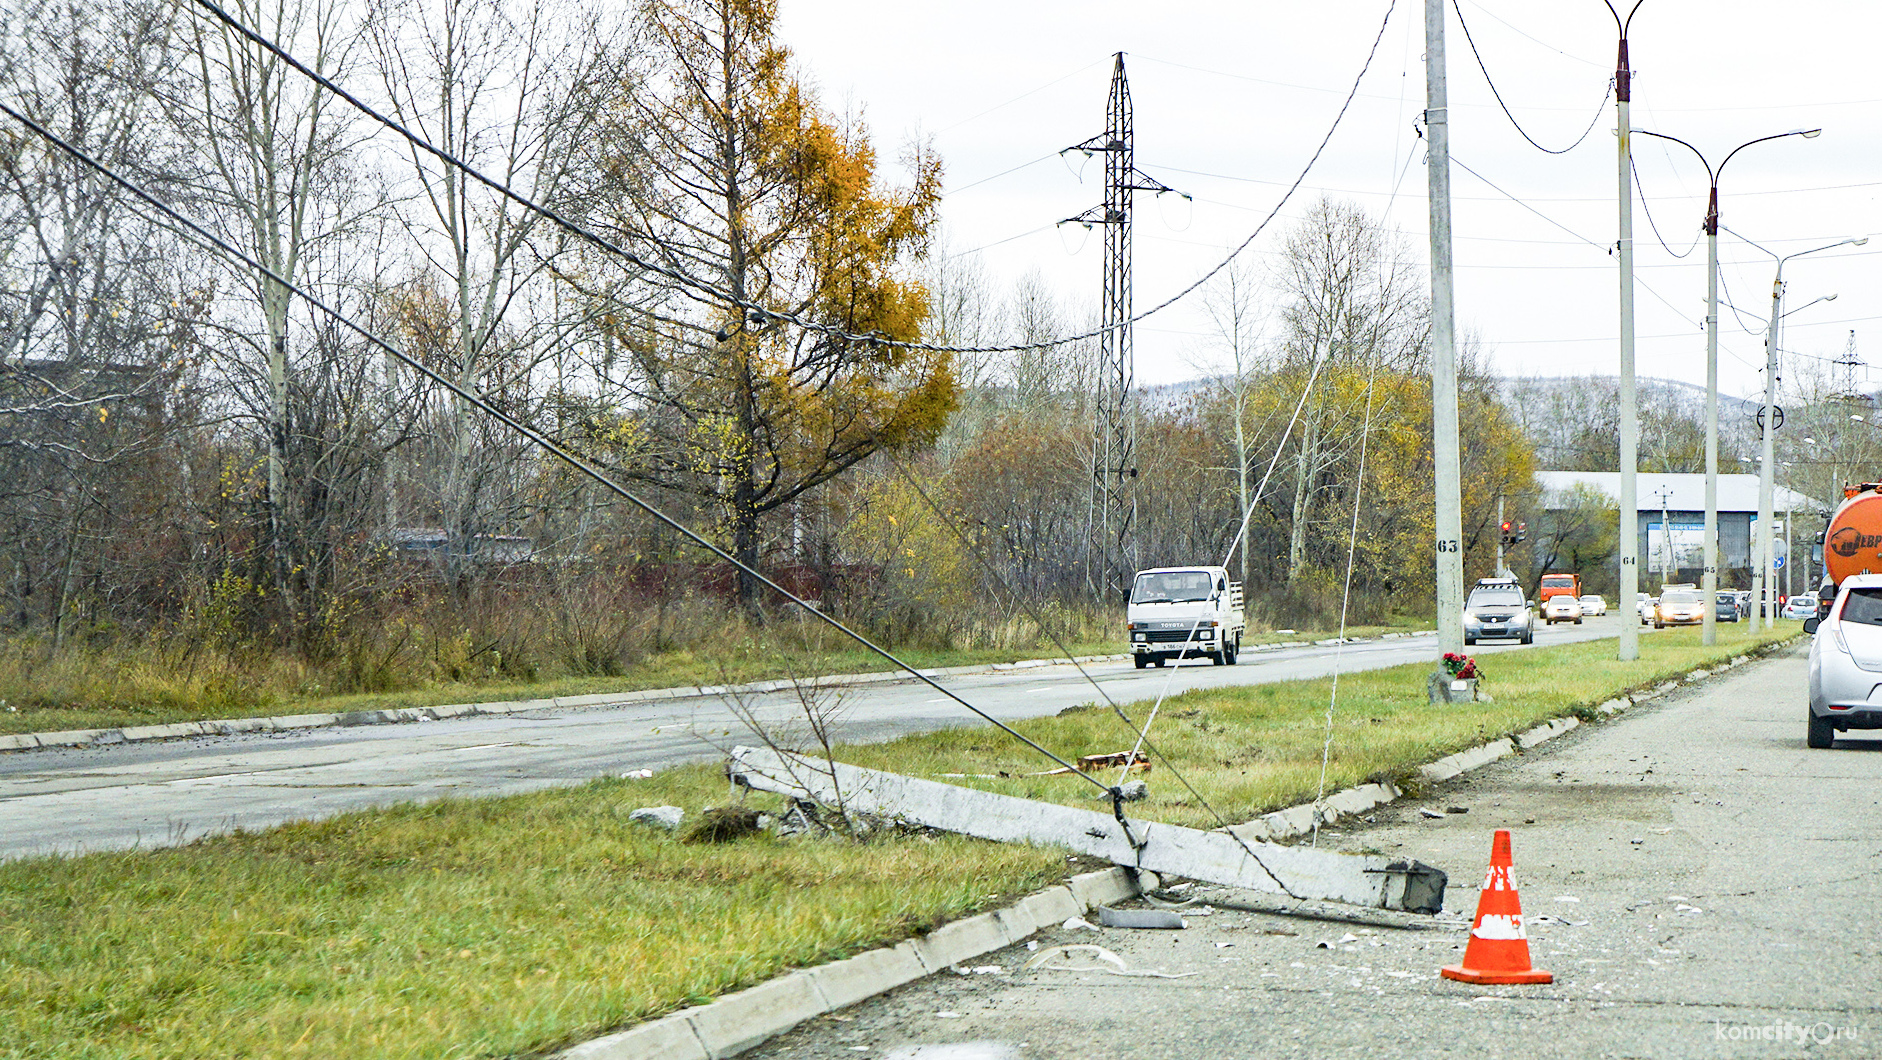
(1468, 641)
(1157, 662)
(1220, 656)
(1578, 621)
(1820, 734)
(1235, 650)
(1141, 661)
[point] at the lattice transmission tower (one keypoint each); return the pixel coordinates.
(1114, 450)
(1844, 382)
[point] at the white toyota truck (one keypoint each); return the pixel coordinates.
(1185, 612)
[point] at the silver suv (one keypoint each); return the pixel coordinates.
(1496, 608)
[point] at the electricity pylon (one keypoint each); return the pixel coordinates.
(1114, 445)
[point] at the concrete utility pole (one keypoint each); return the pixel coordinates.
(1709, 577)
(1630, 421)
(1448, 499)
(1765, 577)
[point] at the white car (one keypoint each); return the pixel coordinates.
(1561, 608)
(1800, 606)
(1593, 606)
(1845, 661)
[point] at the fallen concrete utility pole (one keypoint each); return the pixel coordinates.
(1171, 850)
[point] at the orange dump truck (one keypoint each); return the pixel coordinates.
(1558, 585)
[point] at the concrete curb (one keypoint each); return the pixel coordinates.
(740, 1021)
(401, 715)
(737, 1022)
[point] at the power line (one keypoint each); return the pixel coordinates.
(701, 291)
(1513, 28)
(1465, 26)
(529, 433)
(1651, 223)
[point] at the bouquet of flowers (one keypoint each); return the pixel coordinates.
(1460, 665)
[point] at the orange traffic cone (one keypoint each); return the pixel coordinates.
(1499, 948)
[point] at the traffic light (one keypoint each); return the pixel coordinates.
(1522, 532)
(1507, 534)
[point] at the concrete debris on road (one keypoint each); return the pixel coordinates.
(637, 774)
(1140, 918)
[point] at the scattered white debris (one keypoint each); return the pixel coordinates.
(1032, 945)
(1683, 908)
(637, 774)
(1677, 898)
(947, 1015)
(1432, 814)
(1110, 963)
(988, 969)
(1223, 945)
(1077, 922)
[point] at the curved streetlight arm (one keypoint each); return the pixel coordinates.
(1712, 175)
(1808, 134)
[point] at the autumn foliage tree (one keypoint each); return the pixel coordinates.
(723, 168)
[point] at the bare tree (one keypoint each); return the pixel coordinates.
(276, 157)
(1351, 303)
(92, 317)
(508, 88)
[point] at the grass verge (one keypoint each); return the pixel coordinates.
(513, 926)
(118, 688)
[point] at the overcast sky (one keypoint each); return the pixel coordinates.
(1232, 98)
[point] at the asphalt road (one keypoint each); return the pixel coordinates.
(1700, 884)
(69, 800)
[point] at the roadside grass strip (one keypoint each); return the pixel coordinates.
(1254, 749)
(520, 925)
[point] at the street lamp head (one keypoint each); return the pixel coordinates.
(1808, 134)
(1829, 297)
(1859, 242)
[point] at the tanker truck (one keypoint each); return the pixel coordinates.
(1852, 542)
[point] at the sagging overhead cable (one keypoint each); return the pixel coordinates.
(529, 433)
(704, 292)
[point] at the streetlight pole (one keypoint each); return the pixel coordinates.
(1709, 562)
(1766, 578)
(1630, 427)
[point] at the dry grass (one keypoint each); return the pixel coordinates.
(514, 926)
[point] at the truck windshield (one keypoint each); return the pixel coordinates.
(1557, 581)
(1172, 587)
